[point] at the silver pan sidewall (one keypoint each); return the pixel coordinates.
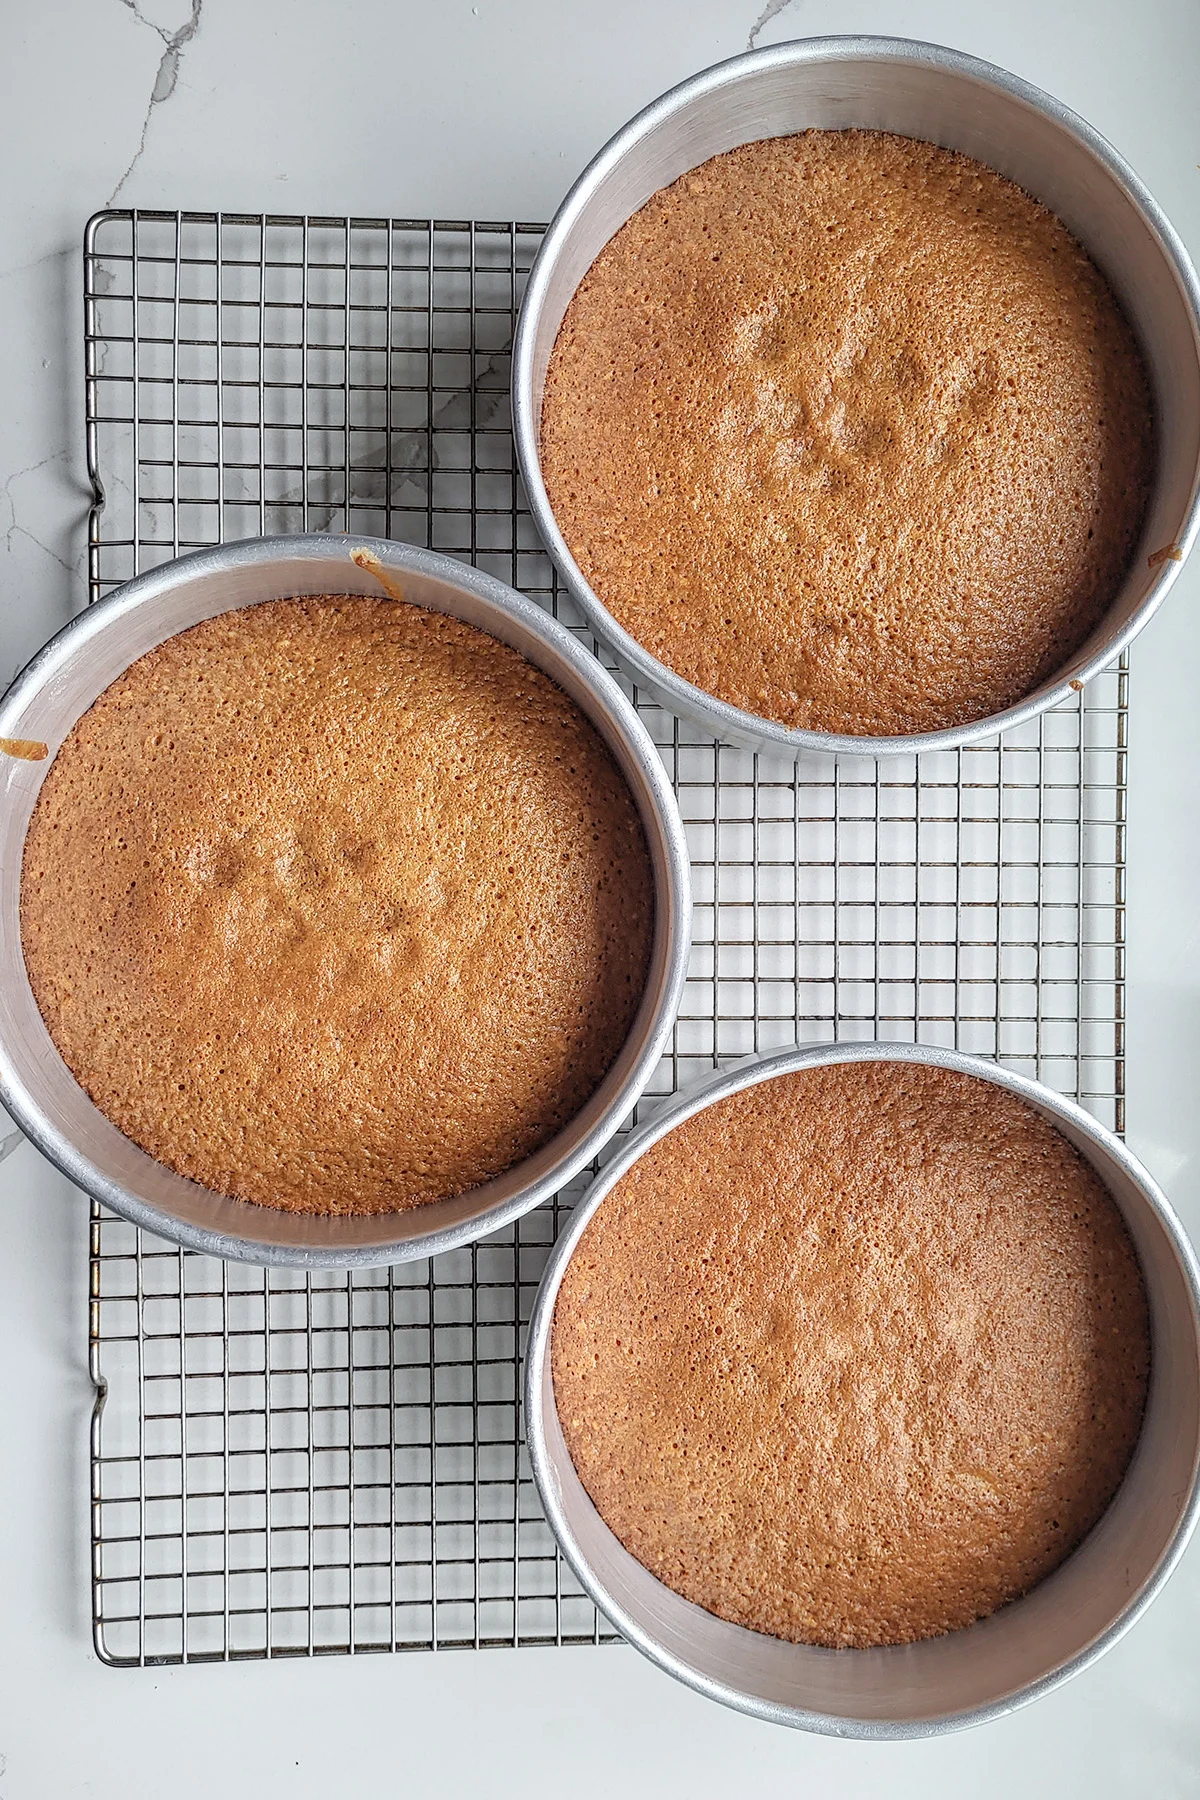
(60, 684)
(924, 91)
(969, 1676)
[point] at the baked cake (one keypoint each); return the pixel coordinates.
(854, 1356)
(336, 904)
(849, 431)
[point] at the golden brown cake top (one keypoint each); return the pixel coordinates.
(855, 1356)
(847, 430)
(336, 904)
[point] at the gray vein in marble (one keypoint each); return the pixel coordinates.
(403, 454)
(16, 530)
(166, 76)
(48, 256)
(12, 1142)
(14, 527)
(770, 11)
(454, 414)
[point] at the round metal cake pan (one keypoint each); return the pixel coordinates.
(64, 679)
(965, 1677)
(921, 91)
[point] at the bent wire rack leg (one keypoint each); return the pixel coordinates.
(286, 1465)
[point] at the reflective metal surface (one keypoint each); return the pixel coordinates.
(923, 91)
(1021, 1651)
(65, 678)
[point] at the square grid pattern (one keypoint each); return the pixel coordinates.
(293, 1465)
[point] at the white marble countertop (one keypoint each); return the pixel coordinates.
(489, 109)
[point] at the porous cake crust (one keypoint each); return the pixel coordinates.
(337, 905)
(849, 431)
(854, 1356)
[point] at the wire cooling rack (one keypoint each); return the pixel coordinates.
(294, 1465)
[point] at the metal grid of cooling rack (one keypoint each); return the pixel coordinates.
(295, 1465)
